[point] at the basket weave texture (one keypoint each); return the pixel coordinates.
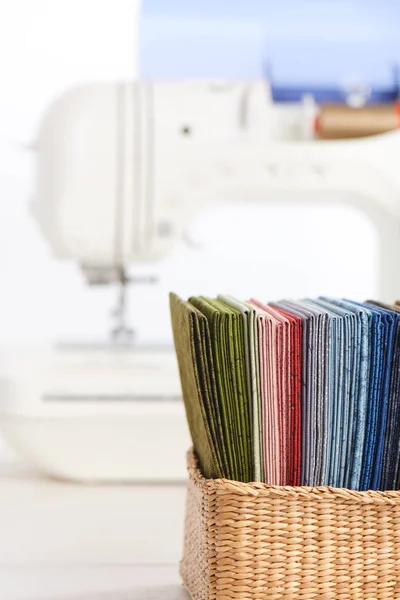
(259, 542)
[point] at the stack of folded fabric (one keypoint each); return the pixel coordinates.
(303, 392)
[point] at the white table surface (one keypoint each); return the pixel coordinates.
(63, 541)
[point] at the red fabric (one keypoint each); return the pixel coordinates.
(295, 360)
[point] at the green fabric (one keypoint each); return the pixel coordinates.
(216, 348)
(188, 339)
(219, 331)
(228, 342)
(248, 317)
(211, 399)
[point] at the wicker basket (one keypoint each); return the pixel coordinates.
(254, 541)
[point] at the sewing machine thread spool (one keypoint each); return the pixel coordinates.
(344, 122)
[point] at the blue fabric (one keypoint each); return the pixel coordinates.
(347, 377)
(391, 452)
(374, 396)
(360, 391)
(390, 320)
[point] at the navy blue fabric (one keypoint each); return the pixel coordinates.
(391, 322)
(391, 454)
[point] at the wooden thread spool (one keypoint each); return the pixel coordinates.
(341, 122)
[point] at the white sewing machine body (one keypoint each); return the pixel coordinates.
(176, 147)
(122, 170)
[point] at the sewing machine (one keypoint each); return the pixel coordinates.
(124, 167)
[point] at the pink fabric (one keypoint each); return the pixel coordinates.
(275, 394)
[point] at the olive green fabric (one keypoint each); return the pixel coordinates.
(212, 402)
(228, 345)
(219, 331)
(247, 315)
(216, 347)
(196, 386)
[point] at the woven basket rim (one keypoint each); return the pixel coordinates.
(320, 493)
